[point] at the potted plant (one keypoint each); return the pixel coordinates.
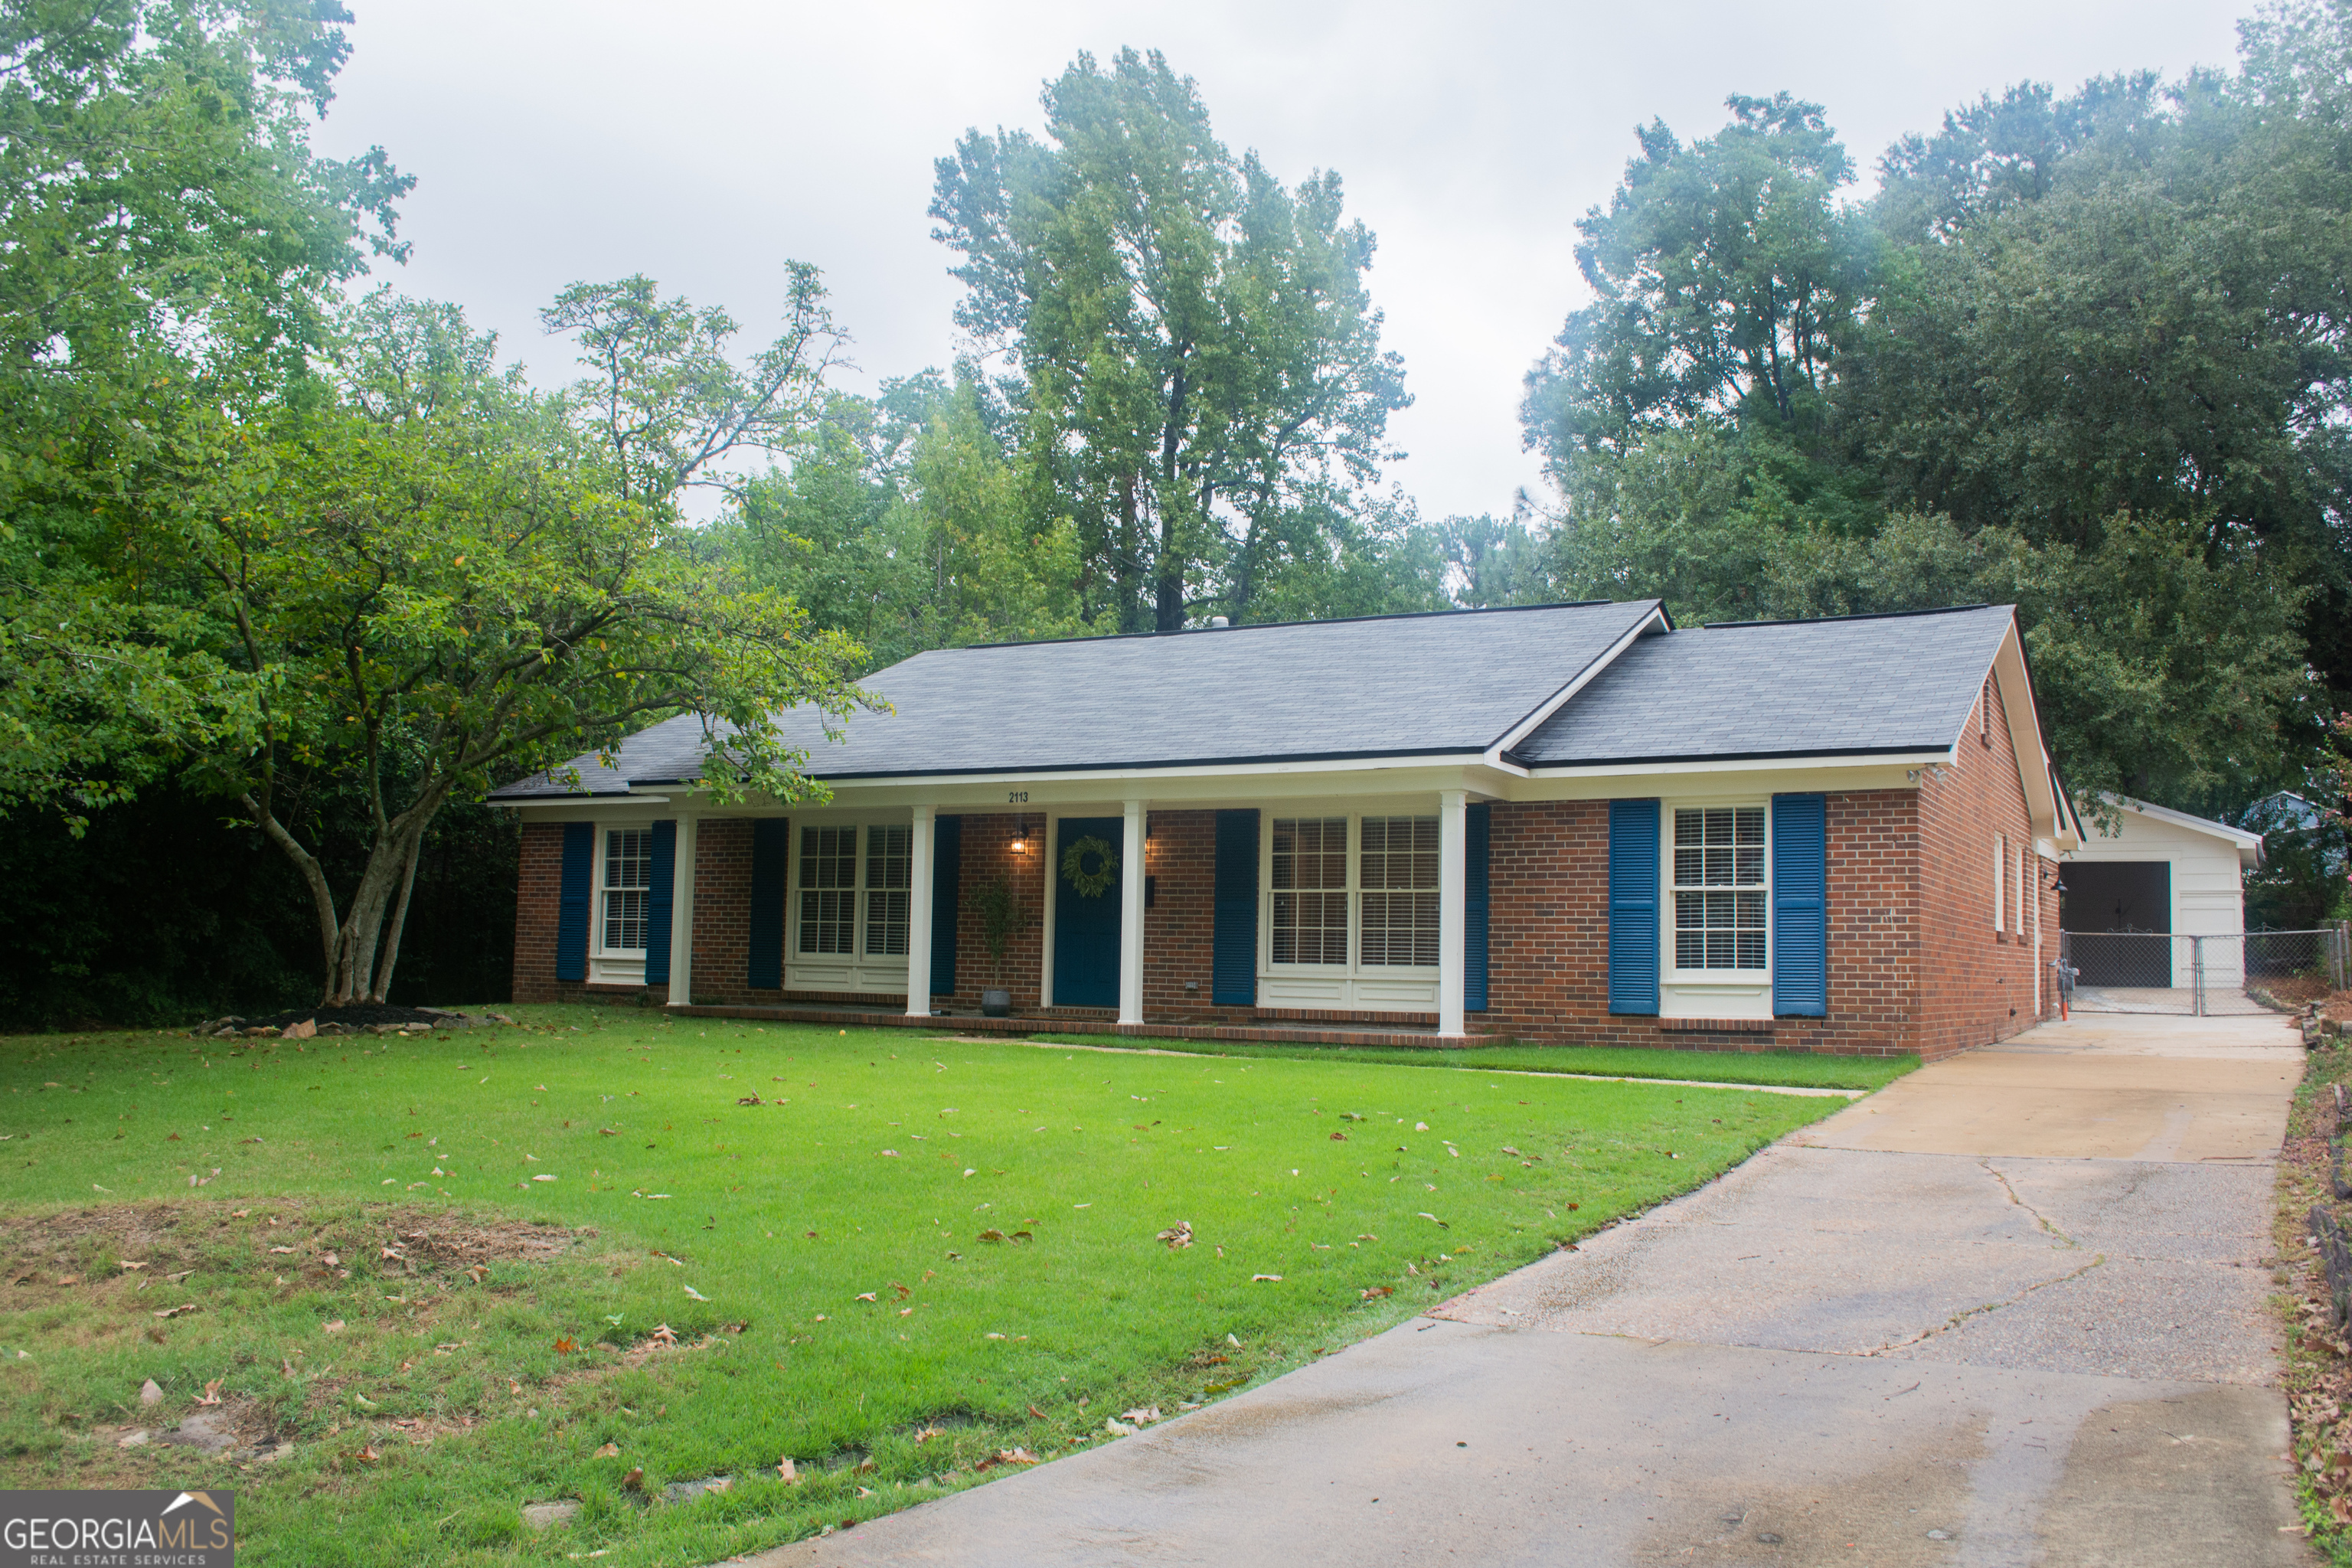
(998, 908)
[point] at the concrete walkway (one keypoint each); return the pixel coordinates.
(2009, 1310)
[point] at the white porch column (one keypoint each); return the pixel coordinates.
(918, 918)
(1131, 918)
(1453, 894)
(681, 914)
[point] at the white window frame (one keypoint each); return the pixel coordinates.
(1354, 985)
(2000, 882)
(1710, 993)
(857, 971)
(614, 965)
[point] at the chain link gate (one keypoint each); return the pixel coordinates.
(2243, 973)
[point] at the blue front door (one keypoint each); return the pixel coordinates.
(1085, 921)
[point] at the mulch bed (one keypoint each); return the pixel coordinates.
(359, 1018)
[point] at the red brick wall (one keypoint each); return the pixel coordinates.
(722, 912)
(987, 850)
(1977, 984)
(536, 898)
(1548, 935)
(1179, 929)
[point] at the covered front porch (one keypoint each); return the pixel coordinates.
(1323, 911)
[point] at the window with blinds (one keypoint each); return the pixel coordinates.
(1309, 876)
(889, 879)
(828, 889)
(1397, 873)
(1719, 888)
(628, 880)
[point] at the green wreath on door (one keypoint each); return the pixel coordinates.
(1089, 884)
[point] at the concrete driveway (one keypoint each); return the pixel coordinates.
(2009, 1310)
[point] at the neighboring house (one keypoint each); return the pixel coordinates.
(1569, 823)
(2143, 869)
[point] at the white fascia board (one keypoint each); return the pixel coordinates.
(1550, 705)
(580, 802)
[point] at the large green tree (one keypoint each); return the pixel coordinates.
(429, 579)
(168, 241)
(2080, 352)
(1196, 356)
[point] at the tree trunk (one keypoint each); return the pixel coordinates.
(352, 970)
(1167, 599)
(382, 989)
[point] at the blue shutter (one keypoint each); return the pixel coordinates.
(1800, 906)
(1474, 909)
(947, 891)
(664, 873)
(572, 902)
(1233, 947)
(1634, 907)
(770, 844)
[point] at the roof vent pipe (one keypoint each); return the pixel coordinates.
(1218, 622)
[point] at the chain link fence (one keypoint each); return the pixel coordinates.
(2200, 976)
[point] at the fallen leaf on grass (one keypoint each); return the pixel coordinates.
(635, 1479)
(566, 1345)
(695, 1294)
(784, 1471)
(175, 1311)
(1007, 1456)
(665, 1333)
(927, 1434)
(867, 1295)
(368, 1453)
(212, 1393)
(1037, 1413)
(1379, 1290)
(609, 1451)
(1338, 1137)
(542, 1178)
(334, 1328)
(1267, 1279)
(990, 1234)
(1118, 1428)
(1178, 1235)
(1142, 1414)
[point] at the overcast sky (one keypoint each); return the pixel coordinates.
(705, 141)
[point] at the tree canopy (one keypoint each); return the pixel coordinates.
(1197, 373)
(2081, 351)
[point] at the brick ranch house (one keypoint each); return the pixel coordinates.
(1563, 822)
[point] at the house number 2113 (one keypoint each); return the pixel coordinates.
(1016, 798)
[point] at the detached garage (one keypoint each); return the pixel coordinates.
(2153, 871)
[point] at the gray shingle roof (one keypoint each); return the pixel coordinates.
(1393, 686)
(1831, 687)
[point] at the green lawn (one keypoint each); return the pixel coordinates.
(1795, 1069)
(916, 1254)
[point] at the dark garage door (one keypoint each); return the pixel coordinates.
(2118, 896)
